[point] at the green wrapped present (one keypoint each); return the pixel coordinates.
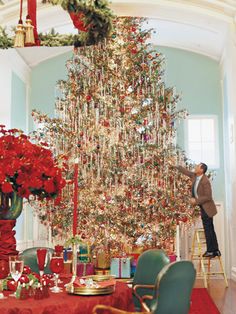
(84, 254)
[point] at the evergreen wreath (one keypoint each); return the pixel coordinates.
(96, 21)
(95, 16)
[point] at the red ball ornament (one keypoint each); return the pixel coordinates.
(88, 97)
(122, 110)
(46, 280)
(11, 285)
(134, 51)
(26, 270)
(106, 123)
(24, 279)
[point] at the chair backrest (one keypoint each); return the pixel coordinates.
(173, 288)
(149, 265)
(30, 258)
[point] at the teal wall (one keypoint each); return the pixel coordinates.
(18, 103)
(43, 82)
(19, 121)
(198, 80)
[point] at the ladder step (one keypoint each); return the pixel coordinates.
(205, 265)
(214, 273)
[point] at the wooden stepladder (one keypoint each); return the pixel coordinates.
(206, 264)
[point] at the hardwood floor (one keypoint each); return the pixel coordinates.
(224, 298)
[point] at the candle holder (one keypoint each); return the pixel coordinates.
(74, 260)
(70, 285)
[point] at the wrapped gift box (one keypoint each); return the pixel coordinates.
(67, 267)
(172, 257)
(135, 256)
(84, 253)
(67, 254)
(103, 260)
(102, 271)
(85, 269)
(121, 267)
(133, 266)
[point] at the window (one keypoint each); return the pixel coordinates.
(202, 140)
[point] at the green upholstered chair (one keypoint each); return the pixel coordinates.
(150, 263)
(173, 290)
(30, 258)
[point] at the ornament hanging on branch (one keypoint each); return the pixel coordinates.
(115, 114)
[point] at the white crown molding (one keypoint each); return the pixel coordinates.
(219, 9)
(196, 26)
(16, 63)
(36, 55)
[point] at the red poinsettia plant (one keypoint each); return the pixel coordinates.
(27, 168)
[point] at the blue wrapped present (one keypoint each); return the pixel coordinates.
(121, 267)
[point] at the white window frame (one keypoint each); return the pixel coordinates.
(216, 127)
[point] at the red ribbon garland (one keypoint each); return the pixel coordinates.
(77, 21)
(20, 20)
(32, 9)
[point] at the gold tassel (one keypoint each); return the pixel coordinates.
(20, 35)
(29, 32)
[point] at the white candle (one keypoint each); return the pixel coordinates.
(177, 247)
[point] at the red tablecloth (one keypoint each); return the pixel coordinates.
(63, 303)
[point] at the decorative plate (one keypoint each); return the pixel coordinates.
(92, 290)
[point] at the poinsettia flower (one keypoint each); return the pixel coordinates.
(24, 192)
(8, 139)
(49, 186)
(57, 201)
(6, 187)
(35, 183)
(2, 177)
(27, 168)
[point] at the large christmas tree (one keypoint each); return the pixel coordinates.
(116, 116)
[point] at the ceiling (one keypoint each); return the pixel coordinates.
(200, 26)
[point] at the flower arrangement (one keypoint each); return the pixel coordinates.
(27, 168)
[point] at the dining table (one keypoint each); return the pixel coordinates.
(65, 303)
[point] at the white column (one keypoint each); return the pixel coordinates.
(228, 64)
(5, 87)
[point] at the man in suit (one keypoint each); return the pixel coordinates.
(202, 196)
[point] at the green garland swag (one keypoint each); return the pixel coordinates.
(5, 40)
(51, 39)
(97, 19)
